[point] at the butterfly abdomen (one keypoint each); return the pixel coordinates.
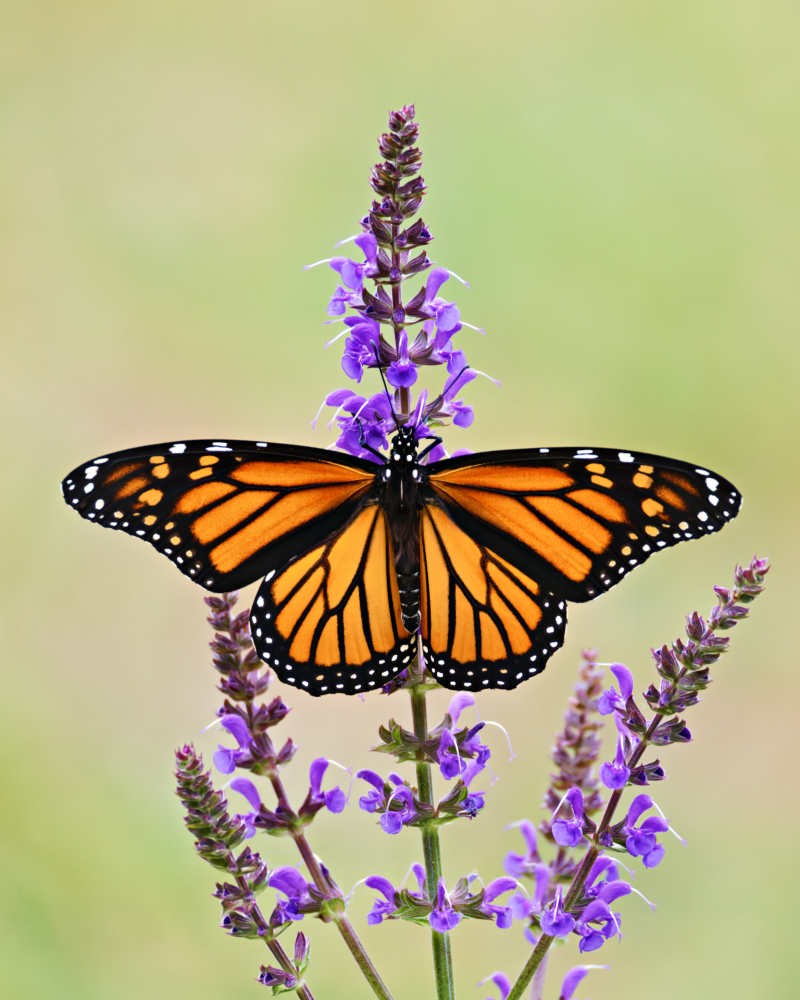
(409, 600)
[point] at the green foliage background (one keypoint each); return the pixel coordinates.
(618, 181)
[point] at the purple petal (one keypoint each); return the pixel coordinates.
(498, 887)
(436, 279)
(654, 857)
(462, 451)
(352, 367)
(447, 317)
(316, 773)
(436, 454)
(614, 777)
(225, 760)
(392, 822)
(335, 800)
(289, 881)
(541, 874)
(557, 926)
(613, 890)
(246, 787)
(575, 798)
(352, 275)
(520, 905)
(457, 705)
(338, 396)
(464, 416)
(502, 982)
(639, 805)
(444, 920)
(368, 245)
(382, 885)
(624, 679)
(402, 375)
(571, 981)
(566, 833)
(419, 875)
(237, 727)
(374, 779)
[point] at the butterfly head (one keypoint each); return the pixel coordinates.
(403, 456)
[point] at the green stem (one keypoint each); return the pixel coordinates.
(440, 943)
(328, 887)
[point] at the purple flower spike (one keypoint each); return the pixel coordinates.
(555, 922)
(574, 977)
(503, 915)
(569, 833)
(501, 981)
(443, 917)
(381, 909)
(615, 776)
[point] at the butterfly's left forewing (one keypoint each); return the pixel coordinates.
(224, 512)
(330, 621)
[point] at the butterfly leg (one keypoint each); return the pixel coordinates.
(428, 448)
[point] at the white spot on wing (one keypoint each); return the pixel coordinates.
(625, 456)
(178, 449)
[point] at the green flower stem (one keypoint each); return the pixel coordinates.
(539, 953)
(440, 943)
(329, 887)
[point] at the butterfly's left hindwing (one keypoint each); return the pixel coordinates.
(330, 621)
(485, 624)
(225, 512)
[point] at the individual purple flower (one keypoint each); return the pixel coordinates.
(225, 759)
(291, 883)
(521, 907)
(501, 981)
(573, 978)
(569, 832)
(503, 915)
(361, 347)
(598, 912)
(554, 921)
(372, 801)
(518, 865)
(609, 700)
(450, 764)
(369, 422)
(402, 373)
(443, 917)
(641, 840)
(446, 314)
(382, 908)
(603, 866)
(615, 776)
(246, 787)
(393, 820)
(334, 799)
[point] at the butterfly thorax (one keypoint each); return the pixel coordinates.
(402, 477)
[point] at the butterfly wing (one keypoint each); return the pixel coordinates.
(225, 513)
(484, 622)
(330, 621)
(577, 520)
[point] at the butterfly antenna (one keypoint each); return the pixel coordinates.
(440, 397)
(386, 387)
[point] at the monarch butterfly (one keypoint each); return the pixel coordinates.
(477, 554)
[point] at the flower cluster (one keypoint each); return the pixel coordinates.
(585, 909)
(458, 753)
(383, 329)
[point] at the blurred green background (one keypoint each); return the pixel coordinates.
(619, 182)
